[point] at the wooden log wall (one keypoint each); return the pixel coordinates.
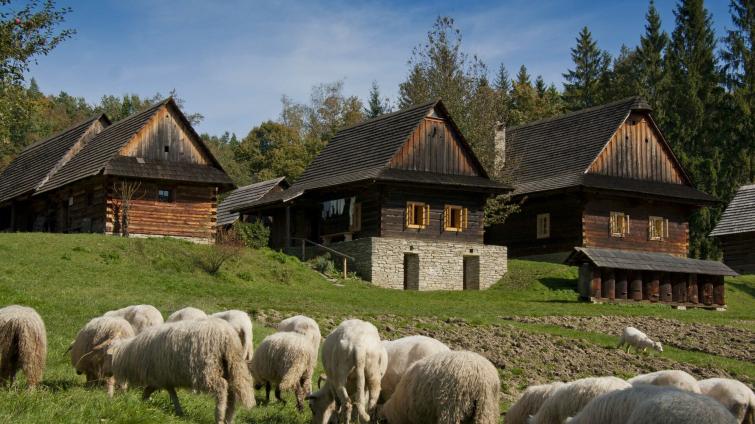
(680, 289)
(739, 252)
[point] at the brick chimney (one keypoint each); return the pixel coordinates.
(499, 144)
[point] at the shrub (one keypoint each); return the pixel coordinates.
(323, 264)
(212, 257)
(252, 234)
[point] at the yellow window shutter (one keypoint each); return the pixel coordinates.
(465, 218)
(665, 228)
(626, 224)
(427, 215)
(446, 217)
(409, 213)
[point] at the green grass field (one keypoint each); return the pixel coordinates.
(70, 279)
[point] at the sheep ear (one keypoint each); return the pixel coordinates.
(320, 379)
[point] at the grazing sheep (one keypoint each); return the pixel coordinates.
(91, 343)
(632, 337)
(569, 399)
(204, 355)
(616, 407)
(354, 361)
(23, 344)
(680, 407)
(676, 378)
(733, 394)
(304, 325)
(402, 353)
(529, 402)
(448, 387)
(285, 360)
(240, 322)
(140, 317)
(186, 314)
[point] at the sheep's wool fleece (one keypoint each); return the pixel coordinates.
(449, 387)
(570, 398)
(674, 378)
(529, 402)
(23, 333)
(681, 407)
(95, 332)
(616, 407)
(141, 317)
(283, 359)
(189, 354)
(185, 314)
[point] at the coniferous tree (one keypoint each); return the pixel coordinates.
(583, 83)
(523, 99)
(502, 87)
(376, 105)
(650, 59)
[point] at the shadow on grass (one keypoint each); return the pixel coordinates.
(559, 283)
(59, 385)
(746, 288)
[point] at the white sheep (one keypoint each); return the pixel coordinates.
(448, 387)
(402, 353)
(675, 378)
(91, 343)
(140, 317)
(354, 361)
(307, 326)
(632, 337)
(240, 322)
(186, 314)
(569, 399)
(285, 360)
(23, 344)
(616, 407)
(733, 394)
(530, 402)
(680, 407)
(204, 355)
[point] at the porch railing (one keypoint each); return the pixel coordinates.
(343, 256)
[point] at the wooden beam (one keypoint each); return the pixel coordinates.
(692, 291)
(718, 290)
(636, 285)
(705, 288)
(608, 286)
(595, 283)
(622, 286)
(679, 287)
(666, 287)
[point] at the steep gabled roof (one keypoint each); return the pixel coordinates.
(739, 216)
(244, 195)
(645, 261)
(36, 163)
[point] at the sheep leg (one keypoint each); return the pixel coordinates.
(230, 409)
(148, 392)
(174, 399)
(221, 406)
(278, 395)
(343, 397)
(267, 392)
(110, 383)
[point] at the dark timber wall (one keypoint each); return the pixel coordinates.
(739, 252)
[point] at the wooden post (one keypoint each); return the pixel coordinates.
(705, 290)
(622, 289)
(585, 275)
(345, 271)
(679, 282)
(608, 285)
(13, 217)
(655, 283)
(595, 283)
(692, 288)
(303, 250)
(287, 240)
(636, 285)
(666, 290)
(718, 290)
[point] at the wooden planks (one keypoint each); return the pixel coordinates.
(739, 252)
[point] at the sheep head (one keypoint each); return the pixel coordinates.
(657, 346)
(323, 405)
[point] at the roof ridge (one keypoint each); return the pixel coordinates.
(576, 112)
(60, 133)
(391, 114)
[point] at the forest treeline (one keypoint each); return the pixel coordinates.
(700, 84)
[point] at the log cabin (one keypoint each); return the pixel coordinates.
(398, 198)
(244, 195)
(736, 231)
(600, 188)
(78, 180)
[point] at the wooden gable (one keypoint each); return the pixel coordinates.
(165, 137)
(637, 150)
(435, 146)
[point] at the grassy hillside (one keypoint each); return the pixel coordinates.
(71, 278)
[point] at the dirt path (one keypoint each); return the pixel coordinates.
(730, 342)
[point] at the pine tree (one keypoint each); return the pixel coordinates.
(523, 99)
(691, 103)
(540, 86)
(376, 105)
(650, 59)
(502, 87)
(583, 84)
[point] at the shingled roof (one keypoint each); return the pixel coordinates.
(554, 153)
(645, 261)
(70, 156)
(739, 216)
(245, 195)
(36, 163)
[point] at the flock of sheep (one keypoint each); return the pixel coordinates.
(414, 379)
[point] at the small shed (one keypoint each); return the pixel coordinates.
(622, 275)
(736, 231)
(246, 194)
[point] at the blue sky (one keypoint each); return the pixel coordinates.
(233, 60)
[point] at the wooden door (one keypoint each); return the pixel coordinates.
(471, 273)
(411, 271)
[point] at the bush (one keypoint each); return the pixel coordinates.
(323, 264)
(212, 257)
(252, 234)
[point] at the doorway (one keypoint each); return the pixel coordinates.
(411, 271)
(471, 273)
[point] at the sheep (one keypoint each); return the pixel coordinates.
(680, 407)
(616, 407)
(91, 343)
(23, 344)
(733, 394)
(529, 402)
(402, 353)
(204, 355)
(570, 398)
(354, 361)
(632, 337)
(186, 314)
(140, 317)
(285, 360)
(240, 322)
(307, 326)
(676, 378)
(448, 387)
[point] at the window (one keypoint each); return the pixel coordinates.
(166, 149)
(417, 215)
(543, 225)
(355, 223)
(455, 218)
(657, 228)
(619, 224)
(164, 195)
